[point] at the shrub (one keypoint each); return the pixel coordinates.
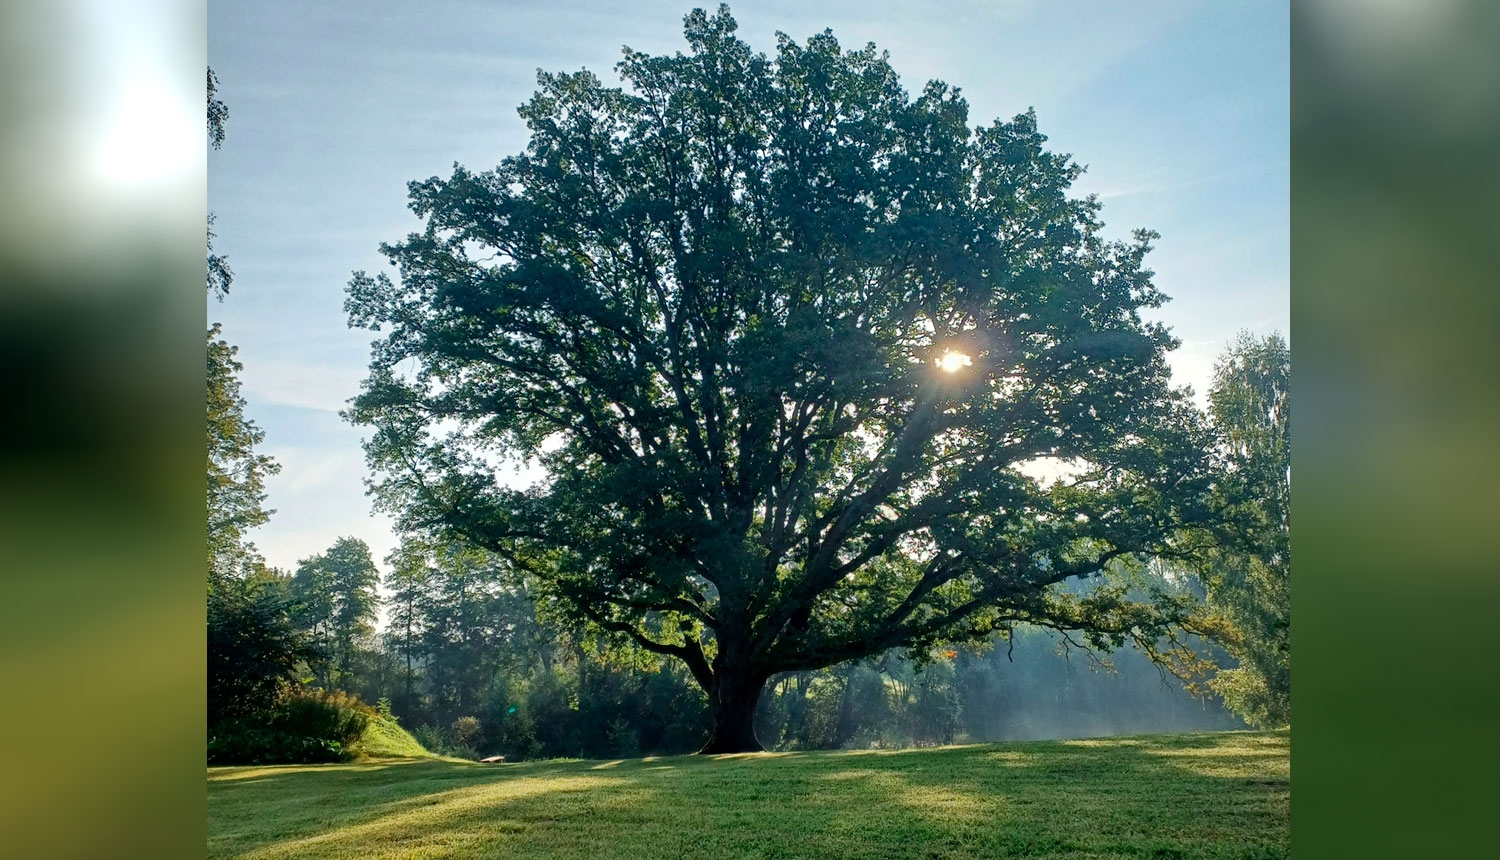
(431, 737)
(465, 730)
(305, 726)
(332, 716)
(623, 738)
(240, 744)
(513, 734)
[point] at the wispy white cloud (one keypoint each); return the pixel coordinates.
(1117, 185)
(309, 470)
(325, 387)
(318, 497)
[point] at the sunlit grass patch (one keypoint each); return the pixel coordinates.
(1011, 759)
(385, 738)
(1212, 796)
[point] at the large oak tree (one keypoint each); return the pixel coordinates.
(790, 345)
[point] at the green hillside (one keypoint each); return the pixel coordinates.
(386, 739)
(1223, 795)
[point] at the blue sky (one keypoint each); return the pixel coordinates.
(1178, 109)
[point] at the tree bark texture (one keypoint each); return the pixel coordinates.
(733, 698)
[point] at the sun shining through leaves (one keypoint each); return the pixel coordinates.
(952, 361)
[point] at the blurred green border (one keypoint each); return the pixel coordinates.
(1396, 323)
(101, 444)
(1396, 308)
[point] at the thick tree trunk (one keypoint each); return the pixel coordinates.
(732, 700)
(843, 728)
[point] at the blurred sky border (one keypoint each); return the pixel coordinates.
(1180, 111)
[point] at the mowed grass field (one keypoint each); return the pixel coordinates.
(1222, 795)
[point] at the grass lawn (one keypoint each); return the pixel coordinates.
(1162, 796)
(384, 738)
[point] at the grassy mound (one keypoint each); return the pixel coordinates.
(384, 738)
(1224, 795)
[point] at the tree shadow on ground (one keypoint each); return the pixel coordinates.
(1211, 796)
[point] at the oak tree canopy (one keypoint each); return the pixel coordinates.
(790, 345)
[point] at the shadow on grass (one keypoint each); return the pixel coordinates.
(1175, 796)
(1224, 795)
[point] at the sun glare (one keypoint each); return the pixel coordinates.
(952, 361)
(153, 136)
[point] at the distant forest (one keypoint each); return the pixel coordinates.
(470, 664)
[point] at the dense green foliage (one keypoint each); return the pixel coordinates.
(259, 743)
(786, 341)
(464, 642)
(255, 654)
(236, 471)
(1166, 796)
(335, 600)
(259, 710)
(475, 667)
(1249, 576)
(302, 726)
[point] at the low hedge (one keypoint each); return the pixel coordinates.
(306, 726)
